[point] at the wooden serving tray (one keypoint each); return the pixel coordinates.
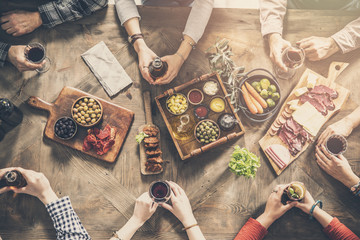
(191, 147)
(114, 115)
(335, 69)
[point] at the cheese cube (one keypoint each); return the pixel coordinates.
(301, 91)
(311, 80)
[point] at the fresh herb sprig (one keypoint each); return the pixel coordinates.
(140, 137)
(221, 62)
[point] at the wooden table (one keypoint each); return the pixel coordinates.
(103, 194)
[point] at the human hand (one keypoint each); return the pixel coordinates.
(318, 48)
(37, 185)
(306, 204)
(337, 167)
(277, 45)
(174, 63)
(144, 208)
(146, 56)
(274, 208)
(17, 57)
(181, 207)
(343, 127)
(18, 22)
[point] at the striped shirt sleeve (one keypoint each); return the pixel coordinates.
(4, 49)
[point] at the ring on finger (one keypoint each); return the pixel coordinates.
(145, 67)
(274, 191)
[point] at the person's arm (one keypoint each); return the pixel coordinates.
(348, 38)
(57, 12)
(144, 209)
(332, 227)
(336, 166)
(67, 224)
(343, 127)
(181, 208)
(195, 26)
(272, 13)
(257, 229)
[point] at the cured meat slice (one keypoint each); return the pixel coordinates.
(151, 145)
(100, 140)
(324, 99)
(150, 131)
(321, 89)
(318, 105)
(293, 126)
(281, 152)
(153, 167)
(151, 140)
(153, 152)
(156, 160)
(277, 161)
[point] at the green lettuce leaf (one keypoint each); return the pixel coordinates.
(140, 137)
(244, 163)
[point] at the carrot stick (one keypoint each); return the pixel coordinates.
(256, 95)
(257, 104)
(248, 101)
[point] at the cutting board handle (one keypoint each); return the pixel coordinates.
(335, 69)
(39, 103)
(147, 106)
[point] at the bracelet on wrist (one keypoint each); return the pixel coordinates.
(355, 189)
(191, 226)
(318, 202)
(192, 44)
(135, 37)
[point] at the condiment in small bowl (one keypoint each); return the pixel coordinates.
(177, 104)
(217, 104)
(211, 87)
(226, 121)
(87, 111)
(195, 96)
(207, 131)
(65, 128)
(201, 111)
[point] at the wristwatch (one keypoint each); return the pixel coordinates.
(135, 37)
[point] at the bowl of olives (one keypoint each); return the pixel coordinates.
(177, 104)
(87, 111)
(65, 128)
(206, 131)
(266, 85)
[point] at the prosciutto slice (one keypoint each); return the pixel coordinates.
(321, 89)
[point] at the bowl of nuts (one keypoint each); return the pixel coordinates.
(87, 111)
(207, 131)
(177, 104)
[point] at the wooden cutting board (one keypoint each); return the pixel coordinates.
(114, 115)
(335, 69)
(149, 122)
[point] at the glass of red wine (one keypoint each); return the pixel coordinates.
(293, 58)
(336, 144)
(160, 191)
(36, 53)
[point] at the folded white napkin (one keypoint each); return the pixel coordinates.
(106, 69)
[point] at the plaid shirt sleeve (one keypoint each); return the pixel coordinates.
(67, 224)
(4, 49)
(57, 12)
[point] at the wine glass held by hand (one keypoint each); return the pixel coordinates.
(292, 57)
(36, 53)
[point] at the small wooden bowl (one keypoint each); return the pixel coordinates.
(193, 90)
(90, 124)
(187, 104)
(206, 120)
(63, 118)
(217, 84)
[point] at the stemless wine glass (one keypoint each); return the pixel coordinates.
(293, 57)
(36, 53)
(160, 191)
